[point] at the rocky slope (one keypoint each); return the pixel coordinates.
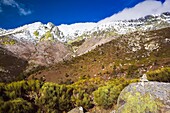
(128, 55)
(43, 53)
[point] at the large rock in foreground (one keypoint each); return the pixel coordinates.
(77, 110)
(153, 97)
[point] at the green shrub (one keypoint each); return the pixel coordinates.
(36, 33)
(34, 85)
(54, 97)
(131, 71)
(15, 89)
(80, 97)
(16, 106)
(82, 91)
(48, 34)
(21, 88)
(107, 95)
(2, 85)
(161, 75)
(7, 41)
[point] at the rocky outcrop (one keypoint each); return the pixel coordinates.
(152, 97)
(21, 49)
(48, 53)
(43, 53)
(24, 57)
(92, 43)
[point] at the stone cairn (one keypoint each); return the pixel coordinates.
(143, 79)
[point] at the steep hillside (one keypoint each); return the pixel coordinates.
(10, 66)
(43, 53)
(128, 55)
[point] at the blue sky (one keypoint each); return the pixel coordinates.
(14, 13)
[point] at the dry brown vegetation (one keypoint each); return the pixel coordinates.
(115, 58)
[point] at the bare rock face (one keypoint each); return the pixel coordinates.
(47, 53)
(23, 56)
(22, 50)
(153, 97)
(43, 53)
(92, 43)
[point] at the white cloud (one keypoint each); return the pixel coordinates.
(0, 8)
(9, 2)
(14, 4)
(23, 12)
(140, 10)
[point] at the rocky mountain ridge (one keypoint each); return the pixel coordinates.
(37, 31)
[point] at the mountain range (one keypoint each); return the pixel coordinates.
(40, 45)
(35, 32)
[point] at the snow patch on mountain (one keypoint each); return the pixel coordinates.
(76, 29)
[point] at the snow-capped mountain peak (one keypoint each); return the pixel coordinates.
(38, 31)
(34, 32)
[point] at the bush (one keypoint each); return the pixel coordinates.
(131, 71)
(107, 95)
(80, 97)
(16, 106)
(8, 41)
(36, 33)
(15, 89)
(161, 75)
(34, 85)
(54, 98)
(82, 92)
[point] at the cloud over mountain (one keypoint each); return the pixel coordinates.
(140, 10)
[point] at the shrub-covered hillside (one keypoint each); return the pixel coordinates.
(129, 56)
(36, 96)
